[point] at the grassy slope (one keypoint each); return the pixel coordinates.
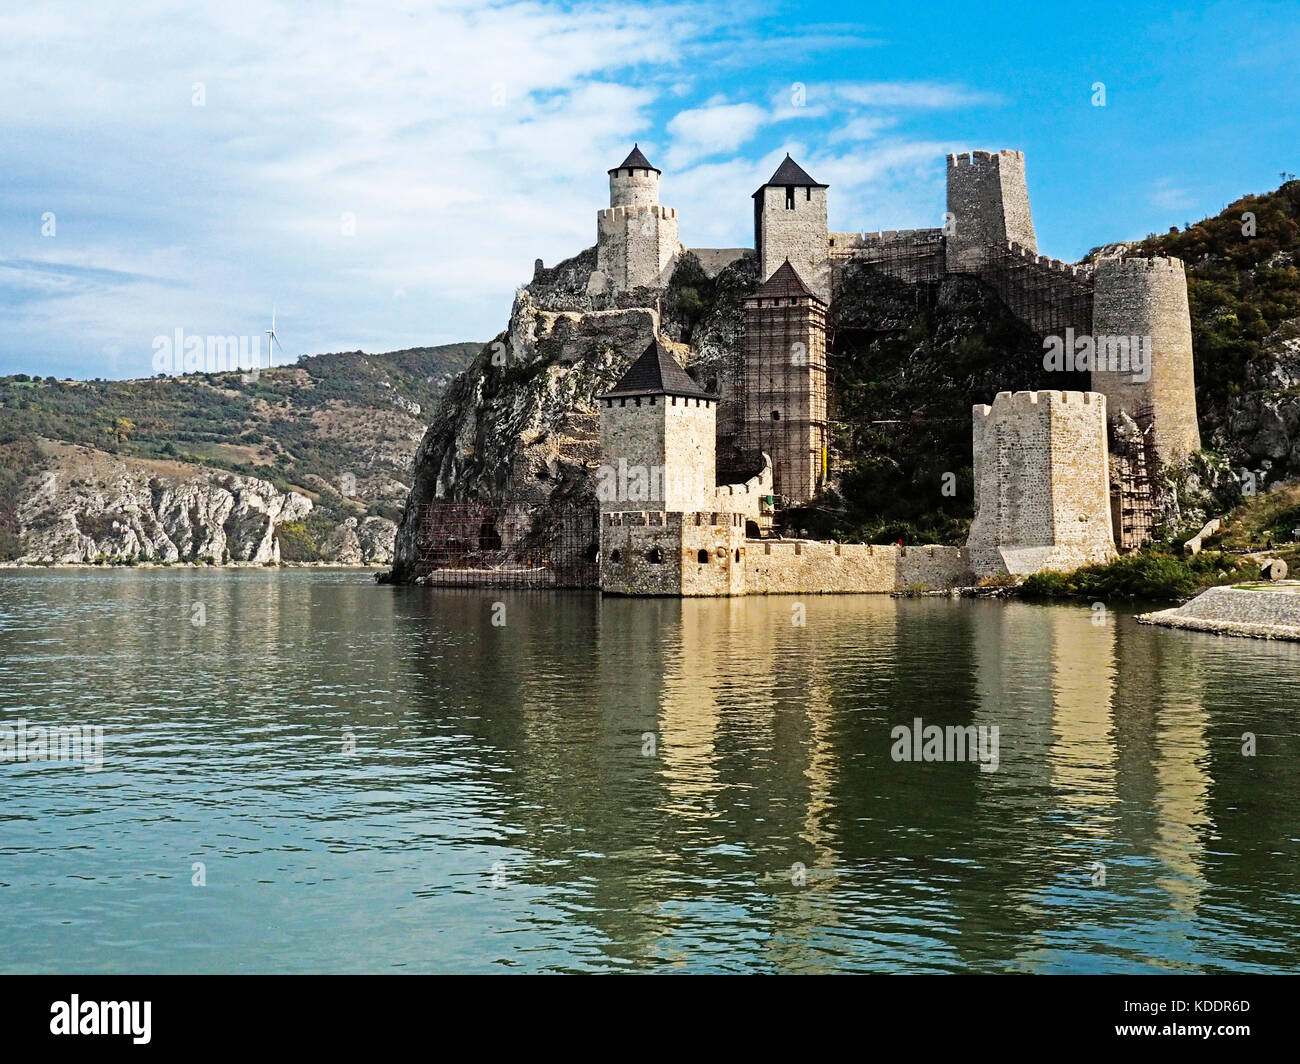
(301, 425)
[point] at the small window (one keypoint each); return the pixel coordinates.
(614, 556)
(703, 557)
(808, 193)
(655, 556)
(789, 197)
(776, 415)
(638, 402)
(738, 554)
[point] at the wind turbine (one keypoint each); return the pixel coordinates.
(272, 341)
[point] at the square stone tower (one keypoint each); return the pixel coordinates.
(1042, 485)
(657, 439)
(783, 387)
(790, 224)
(989, 204)
(636, 238)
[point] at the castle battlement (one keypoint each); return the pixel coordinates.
(672, 519)
(983, 158)
(616, 214)
(1042, 400)
(1066, 269)
(1139, 264)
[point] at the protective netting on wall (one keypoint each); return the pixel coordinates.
(493, 544)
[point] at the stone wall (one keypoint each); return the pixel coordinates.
(805, 567)
(648, 553)
(1042, 489)
(912, 255)
(714, 260)
(698, 554)
(989, 201)
(1148, 298)
(796, 233)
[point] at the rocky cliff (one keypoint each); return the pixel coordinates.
(88, 506)
(521, 423)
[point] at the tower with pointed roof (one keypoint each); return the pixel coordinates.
(658, 438)
(790, 223)
(783, 385)
(636, 237)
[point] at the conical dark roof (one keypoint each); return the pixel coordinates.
(656, 372)
(784, 283)
(635, 161)
(791, 173)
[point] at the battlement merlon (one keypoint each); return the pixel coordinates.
(1138, 264)
(1045, 400)
(866, 240)
(984, 158)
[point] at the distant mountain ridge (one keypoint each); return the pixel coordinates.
(337, 431)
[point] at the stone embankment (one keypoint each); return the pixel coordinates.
(1260, 611)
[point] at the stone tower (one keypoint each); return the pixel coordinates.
(783, 392)
(657, 439)
(1143, 303)
(1042, 483)
(790, 223)
(989, 204)
(636, 238)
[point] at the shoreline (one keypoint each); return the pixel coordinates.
(195, 565)
(1254, 611)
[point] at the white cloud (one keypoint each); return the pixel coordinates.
(711, 130)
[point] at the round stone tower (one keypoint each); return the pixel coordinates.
(1140, 310)
(634, 183)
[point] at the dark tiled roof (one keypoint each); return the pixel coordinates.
(635, 161)
(784, 283)
(791, 173)
(656, 372)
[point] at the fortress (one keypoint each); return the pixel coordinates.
(1062, 478)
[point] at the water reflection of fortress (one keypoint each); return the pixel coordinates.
(772, 748)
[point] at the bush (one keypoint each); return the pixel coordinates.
(296, 543)
(1147, 576)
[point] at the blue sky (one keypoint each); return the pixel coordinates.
(467, 139)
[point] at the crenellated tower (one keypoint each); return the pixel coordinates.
(988, 202)
(636, 237)
(1042, 483)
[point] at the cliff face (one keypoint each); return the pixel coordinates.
(521, 423)
(87, 505)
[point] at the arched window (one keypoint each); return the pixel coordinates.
(703, 557)
(751, 530)
(737, 554)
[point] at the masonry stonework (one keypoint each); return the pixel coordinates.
(783, 408)
(1147, 298)
(989, 203)
(790, 223)
(636, 237)
(1042, 487)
